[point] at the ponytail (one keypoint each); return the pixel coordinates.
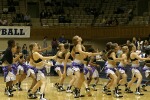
(31, 48)
(130, 49)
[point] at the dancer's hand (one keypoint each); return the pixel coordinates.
(20, 54)
(49, 47)
(97, 65)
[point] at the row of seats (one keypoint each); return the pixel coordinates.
(68, 24)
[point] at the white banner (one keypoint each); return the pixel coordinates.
(14, 31)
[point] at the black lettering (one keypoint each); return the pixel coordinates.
(15, 32)
(10, 32)
(4, 31)
(21, 32)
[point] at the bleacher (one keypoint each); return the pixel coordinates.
(79, 15)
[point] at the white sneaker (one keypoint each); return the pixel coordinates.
(42, 99)
(38, 92)
(68, 91)
(118, 96)
(138, 93)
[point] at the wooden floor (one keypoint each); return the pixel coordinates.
(52, 94)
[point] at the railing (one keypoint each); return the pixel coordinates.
(92, 32)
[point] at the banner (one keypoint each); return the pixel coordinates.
(14, 31)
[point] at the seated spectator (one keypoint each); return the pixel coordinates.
(19, 18)
(5, 10)
(115, 21)
(104, 20)
(14, 18)
(48, 14)
(3, 22)
(27, 18)
(68, 19)
(62, 19)
(62, 39)
(43, 14)
(110, 21)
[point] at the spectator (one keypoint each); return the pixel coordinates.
(115, 22)
(104, 21)
(5, 10)
(128, 42)
(48, 14)
(139, 44)
(110, 21)
(3, 22)
(27, 18)
(24, 50)
(45, 43)
(14, 18)
(54, 44)
(134, 41)
(19, 18)
(145, 44)
(61, 19)
(62, 39)
(43, 14)
(68, 19)
(119, 52)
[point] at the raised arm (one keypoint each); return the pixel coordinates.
(37, 55)
(138, 57)
(41, 50)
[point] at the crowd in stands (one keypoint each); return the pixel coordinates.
(65, 11)
(65, 3)
(21, 18)
(10, 16)
(142, 46)
(105, 21)
(3, 22)
(58, 9)
(15, 18)
(121, 14)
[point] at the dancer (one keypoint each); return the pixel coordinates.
(122, 65)
(78, 64)
(146, 69)
(20, 70)
(60, 69)
(7, 61)
(93, 72)
(39, 62)
(68, 64)
(136, 74)
(111, 70)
